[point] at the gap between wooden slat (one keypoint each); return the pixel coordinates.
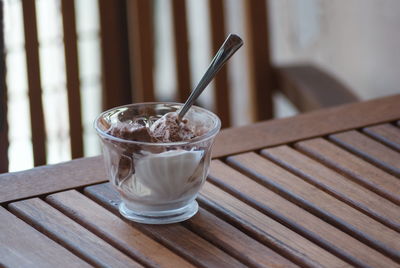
(196, 250)
(265, 227)
(111, 202)
(84, 211)
(233, 241)
(384, 158)
(244, 195)
(227, 244)
(275, 215)
(351, 174)
(388, 134)
(331, 190)
(34, 82)
(70, 234)
(24, 246)
(255, 233)
(310, 207)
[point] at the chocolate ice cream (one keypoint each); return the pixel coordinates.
(131, 131)
(168, 128)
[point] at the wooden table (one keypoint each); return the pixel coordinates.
(318, 189)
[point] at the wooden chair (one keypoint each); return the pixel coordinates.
(127, 28)
(306, 86)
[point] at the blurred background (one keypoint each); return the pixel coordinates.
(355, 41)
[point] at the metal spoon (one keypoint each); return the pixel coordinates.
(228, 48)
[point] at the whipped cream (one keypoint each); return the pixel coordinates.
(165, 176)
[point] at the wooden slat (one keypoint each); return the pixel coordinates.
(353, 167)
(3, 100)
(321, 204)
(179, 19)
(386, 133)
(141, 39)
(34, 83)
(310, 88)
(229, 141)
(243, 219)
(72, 73)
(174, 236)
(218, 34)
(71, 235)
(307, 125)
(259, 56)
(269, 231)
(111, 201)
(114, 230)
(370, 150)
(47, 179)
(234, 242)
(338, 186)
(114, 52)
(294, 217)
(16, 251)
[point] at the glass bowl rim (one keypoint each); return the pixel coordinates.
(204, 137)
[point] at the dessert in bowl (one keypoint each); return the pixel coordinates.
(157, 161)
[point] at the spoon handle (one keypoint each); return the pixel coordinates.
(228, 48)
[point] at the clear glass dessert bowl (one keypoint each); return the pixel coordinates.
(158, 181)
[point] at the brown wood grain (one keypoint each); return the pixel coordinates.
(70, 234)
(218, 35)
(182, 241)
(271, 232)
(114, 230)
(318, 202)
(34, 83)
(306, 125)
(385, 133)
(309, 87)
(234, 242)
(141, 39)
(72, 74)
(252, 230)
(115, 54)
(53, 178)
(180, 32)
(3, 99)
(230, 141)
(258, 47)
(336, 185)
(371, 150)
(292, 216)
(353, 167)
(277, 234)
(17, 251)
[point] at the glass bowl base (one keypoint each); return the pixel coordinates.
(160, 217)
